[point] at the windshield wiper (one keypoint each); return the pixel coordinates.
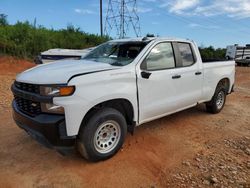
(116, 64)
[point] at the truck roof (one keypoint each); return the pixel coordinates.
(147, 39)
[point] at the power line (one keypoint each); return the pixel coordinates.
(222, 25)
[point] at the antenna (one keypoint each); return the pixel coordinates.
(121, 16)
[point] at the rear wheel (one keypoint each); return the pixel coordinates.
(218, 101)
(103, 135)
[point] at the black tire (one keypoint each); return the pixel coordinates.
(214, 106)
(88, 144)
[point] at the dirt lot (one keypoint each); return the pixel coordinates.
(188, 149)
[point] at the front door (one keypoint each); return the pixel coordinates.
(156, 85)
(165, 84)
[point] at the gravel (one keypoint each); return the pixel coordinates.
(230, 168)
(6, 94)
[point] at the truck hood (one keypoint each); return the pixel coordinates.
(60, 72)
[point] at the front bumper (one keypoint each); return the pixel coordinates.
(47, 129)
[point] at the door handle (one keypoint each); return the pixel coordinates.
(145, 74)
(198, 73)
(176, 76)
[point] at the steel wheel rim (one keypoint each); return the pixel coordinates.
(107, 136)
(220, 99)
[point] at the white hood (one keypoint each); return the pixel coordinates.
(60, 72)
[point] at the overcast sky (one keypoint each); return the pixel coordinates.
(218, 22)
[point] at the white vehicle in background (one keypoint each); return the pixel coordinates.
(60, 54)
(241, 54)
(92, 103)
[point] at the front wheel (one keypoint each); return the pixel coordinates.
(218, 101)
(103, 135)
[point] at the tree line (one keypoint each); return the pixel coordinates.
(210, 53)
(26, 40)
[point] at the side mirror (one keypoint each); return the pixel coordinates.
(145, 74)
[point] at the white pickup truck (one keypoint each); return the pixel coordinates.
(90, 104)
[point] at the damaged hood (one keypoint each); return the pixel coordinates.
(60, 72)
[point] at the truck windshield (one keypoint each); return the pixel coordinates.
(116, 53)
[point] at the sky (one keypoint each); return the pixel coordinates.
(218, 23)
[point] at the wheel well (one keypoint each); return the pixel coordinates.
(121, 105)
(225, 83)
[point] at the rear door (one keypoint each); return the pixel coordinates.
(189, 86)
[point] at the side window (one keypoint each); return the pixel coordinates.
(186, 54)
(160, 57)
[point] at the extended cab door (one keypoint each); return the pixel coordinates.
(189, 86)
(164, 85)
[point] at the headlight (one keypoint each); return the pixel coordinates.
(52, 108)
(57, 91)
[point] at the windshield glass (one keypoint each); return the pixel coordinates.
(116, 53)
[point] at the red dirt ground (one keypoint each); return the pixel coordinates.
(186, 149)
(10, 65)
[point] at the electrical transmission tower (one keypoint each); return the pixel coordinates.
(121, 16)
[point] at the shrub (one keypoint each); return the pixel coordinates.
(26, 40)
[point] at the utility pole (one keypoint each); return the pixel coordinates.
(122, 20)
(122, 16)
(101, 25)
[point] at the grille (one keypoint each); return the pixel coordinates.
(27, 106)
(28, 87)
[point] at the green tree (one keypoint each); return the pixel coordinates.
(26, 40)
(3, 20)
(210, 53)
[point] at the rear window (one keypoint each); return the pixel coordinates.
(186, 54)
